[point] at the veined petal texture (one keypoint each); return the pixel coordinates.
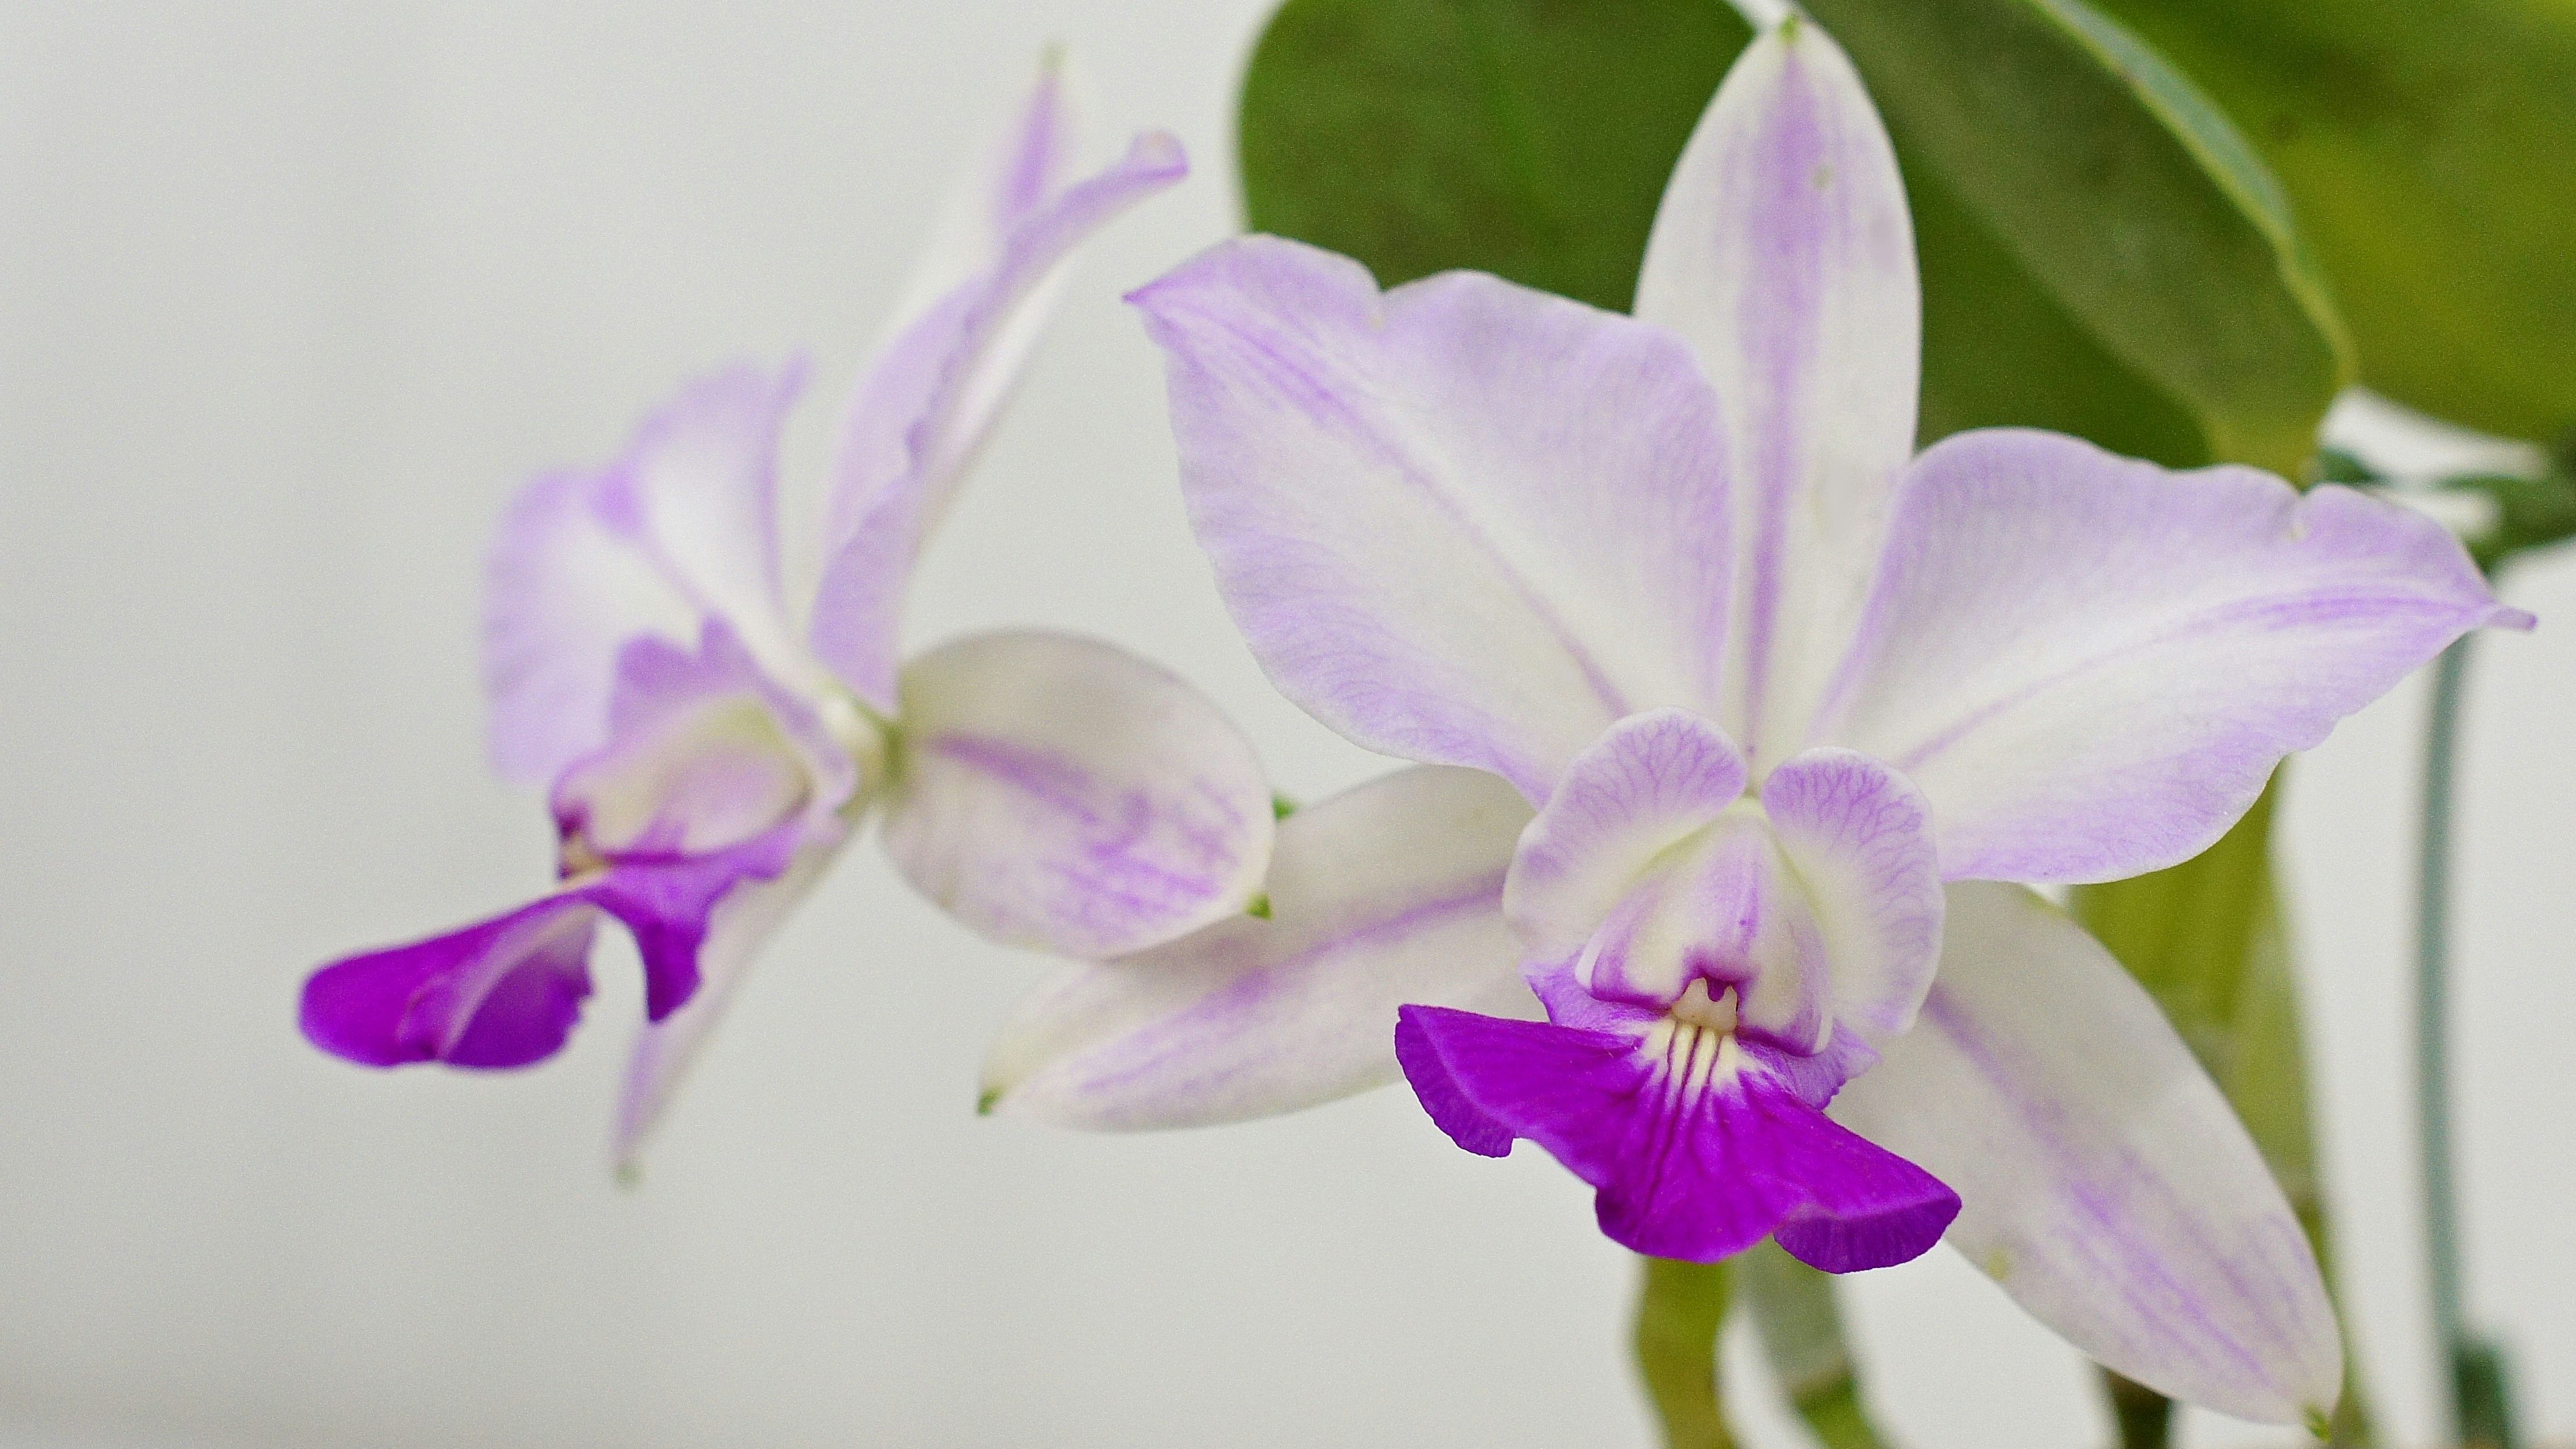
(1061, 794)
(1783, 252)
(1461, 522)
(2090, 665)
(1383, 895)
(2104, 1182)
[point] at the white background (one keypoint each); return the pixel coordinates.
(291, 296)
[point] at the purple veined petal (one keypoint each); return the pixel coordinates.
(1857, 837)
(666, 1049)
(505, 992)
(2106, 1184)
(1061, 794)
(1784, 252)
(1026, 166)
(680, 529)
(1695, 1148)
(1461, 522)
(918, 418)
(2090, 665)
(705, 751)
(1651, 781)
(1382, 895)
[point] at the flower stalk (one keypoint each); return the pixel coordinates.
(2479, 1398)
(1680, 1308)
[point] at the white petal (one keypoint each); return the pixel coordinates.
(1857, 837)
(2090, 665)
(2104, 1181)
(1384, 896)
(1784, 253)
(1061, 794)
(1463, 522)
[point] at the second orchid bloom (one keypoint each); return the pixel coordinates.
(709, 753)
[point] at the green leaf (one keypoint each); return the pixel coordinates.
(2126, 198)
(1680, 1308)
(1521, 137)
(2426, 145)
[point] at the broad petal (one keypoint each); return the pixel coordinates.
(927, 403)
(2107, 1186)
(1650, 782)
(679, 529)
(705, 752)
(1696, 1150)
(1784, 253)
(1386, 894)
(2090, 665)
(1857, 837)
(665, 1050)
(500, 993)
(1463, 522)
(1061, 794)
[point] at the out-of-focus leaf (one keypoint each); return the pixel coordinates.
(1680, 1308)
(1802, 1335)
(1528, 138)
(2425, 145)
(2126, 197)
(2206, 939)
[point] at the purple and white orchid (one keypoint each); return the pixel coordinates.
(708, 757)
(1791, 719)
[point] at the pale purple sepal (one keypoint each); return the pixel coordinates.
(2090, 665)
(505, 992)
(1059, 793)
(1782, 250)
(2106, 1184)
(681, 528)
(1385, 894)
(1695, 1149)
(1461, 522)
(917, 420)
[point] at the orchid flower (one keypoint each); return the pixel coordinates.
(708, 759)
(1744, 732)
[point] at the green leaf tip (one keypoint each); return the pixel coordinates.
(986, 1100)
(1258, 908)
(2321, 1425)
(1281, 807)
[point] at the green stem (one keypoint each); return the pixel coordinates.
(1802, 1335)
(2143, 1416)
(2480, 1411)
(1680, 1307)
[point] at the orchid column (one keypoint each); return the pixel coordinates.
(1741, 734)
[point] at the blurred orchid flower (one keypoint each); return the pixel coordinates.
(708, 759)
(1781, 707)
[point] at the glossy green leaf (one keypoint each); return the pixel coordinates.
(1528, 138)
(2429, 147)
(2126, 197)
